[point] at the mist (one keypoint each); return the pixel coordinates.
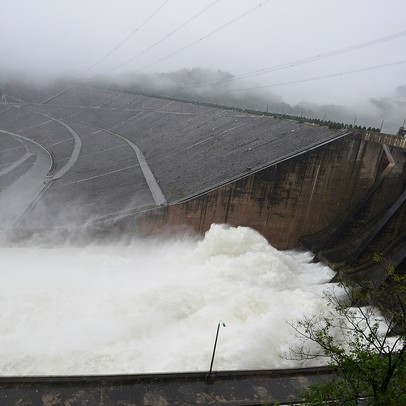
(224, 89)
(89, 39)
(153, 305)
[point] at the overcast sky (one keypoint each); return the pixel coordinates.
(54, 37)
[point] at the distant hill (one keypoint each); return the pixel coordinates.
(219, 87)
(203, 85)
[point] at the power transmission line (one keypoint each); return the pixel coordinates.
(321, 77)
(202, 38)
(162, 39)
(310, 59)
(156, 11)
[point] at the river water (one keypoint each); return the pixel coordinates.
(154, 305)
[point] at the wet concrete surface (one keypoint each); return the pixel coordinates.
(186, 149)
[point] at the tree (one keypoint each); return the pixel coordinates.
(363, 336)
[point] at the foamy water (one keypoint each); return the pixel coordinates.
(154, 306)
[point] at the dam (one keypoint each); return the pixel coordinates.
(79, 156)
(120, 154)
(82, 159)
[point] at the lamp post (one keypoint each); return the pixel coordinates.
(214, 349)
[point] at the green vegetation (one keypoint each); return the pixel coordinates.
(365, 344)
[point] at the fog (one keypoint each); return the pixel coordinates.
(223, 88)
(90, 38)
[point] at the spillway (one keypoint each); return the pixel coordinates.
(153, 305)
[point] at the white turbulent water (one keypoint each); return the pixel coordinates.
(154, 306)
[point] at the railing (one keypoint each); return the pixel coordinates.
(391, 140)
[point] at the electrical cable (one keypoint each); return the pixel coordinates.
(156, 11)
(310, 59)
(321, 77)
(202, 38)
(162, 39)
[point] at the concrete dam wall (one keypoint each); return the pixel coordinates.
(298, 196)
(77, 155)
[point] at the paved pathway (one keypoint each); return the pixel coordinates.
(227, 388)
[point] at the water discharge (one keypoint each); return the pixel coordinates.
(153, 306)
